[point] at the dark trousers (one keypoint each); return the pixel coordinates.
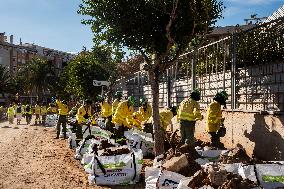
(37, 119)
(43, 118)
(61, 121)
(109, 124)
(187, 129)
(148, 128)
(79, 131)
(215, 139)
(28, 118)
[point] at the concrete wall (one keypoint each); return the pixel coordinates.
(261, 135)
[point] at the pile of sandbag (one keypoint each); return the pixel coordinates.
(106, 162)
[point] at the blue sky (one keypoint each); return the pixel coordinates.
(55, 23)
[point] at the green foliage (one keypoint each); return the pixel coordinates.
(159, 29)
(36, 77)
(81, 72)
(6, 80)
(142, 24)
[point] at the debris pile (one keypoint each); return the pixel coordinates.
(220, 179)
(236, 155)
(237, 182)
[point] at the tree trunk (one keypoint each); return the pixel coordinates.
(158, 133)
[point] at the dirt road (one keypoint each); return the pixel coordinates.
(31, 158)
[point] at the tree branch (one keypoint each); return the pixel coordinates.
(173, 17)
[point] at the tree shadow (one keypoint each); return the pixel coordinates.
(269, 144)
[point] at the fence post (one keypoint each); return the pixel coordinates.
(233, 72)
(193, 71)
(169, 88)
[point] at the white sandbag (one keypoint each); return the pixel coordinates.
(202, 161)
(158, 161)
(183, 184)
(87, 161)
(270, 175)
(211, 155)
(169, 180)
(140, 140)
(51, 120)
(247, 172)
(118, 170)
(83, 148)
(151, 177)
(232, 168)
(72, 141)
(162, 179)
(97, 132)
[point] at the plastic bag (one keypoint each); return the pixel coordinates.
(140, 140)
(83, 148)
(72, 141)
(162, 179)
(270, 175)
(51, 120)
(118, 170)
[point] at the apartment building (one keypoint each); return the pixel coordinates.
(14, 56)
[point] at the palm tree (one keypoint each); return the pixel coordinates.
(37, 76)
(5, 78)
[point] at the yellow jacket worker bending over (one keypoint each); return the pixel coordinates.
(214, 117)
(143, 114)
(123, 116)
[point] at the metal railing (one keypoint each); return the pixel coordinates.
(249, 65)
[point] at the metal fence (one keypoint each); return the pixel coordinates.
(249, 65)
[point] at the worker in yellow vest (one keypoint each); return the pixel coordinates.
(123, 116)
(214, 117)
(166, 116)
(62, 120)
(106, 112)
(83, 114)
(143, 114)
(19, 113)
(43, 112)
(37, 113)
(28, 113)
(11, 114)
(188, 114)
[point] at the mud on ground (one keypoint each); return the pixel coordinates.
(31, 158)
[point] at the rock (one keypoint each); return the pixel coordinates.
(190, 150)
(217, 175)
(176, 164)
(199, 179)
(236, 182)
(191, 169)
